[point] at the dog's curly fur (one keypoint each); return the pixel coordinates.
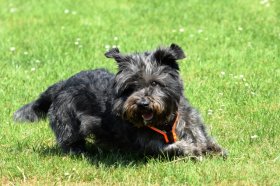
(117, 109)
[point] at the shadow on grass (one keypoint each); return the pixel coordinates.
(97, 157)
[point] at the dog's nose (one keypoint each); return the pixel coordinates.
(143, 103)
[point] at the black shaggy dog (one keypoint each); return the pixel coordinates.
(142, 108)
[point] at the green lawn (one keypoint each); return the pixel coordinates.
(232, 75)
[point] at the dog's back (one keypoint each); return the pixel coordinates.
(99, 79)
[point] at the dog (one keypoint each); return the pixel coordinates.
(140, 109)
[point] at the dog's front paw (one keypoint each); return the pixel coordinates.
(181, 148)
(215, 149)
(224, 154)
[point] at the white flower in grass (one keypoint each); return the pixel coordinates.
(114, 46)
(33, 69)
(199, 31)
(13, 10)
(25, 53)
(254, 137)
(107, 46)
(221, 94)
(246, 85)
(223, 73)
(264, 2)
(116, 38)
(66, 11)
(78, 39)
(77, 43)
(241, 76)
(181, 30)
(240, 28)
(12, 49)
(210, 112)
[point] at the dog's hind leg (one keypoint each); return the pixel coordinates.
(67, 131)
(38, 109)
(70, 126)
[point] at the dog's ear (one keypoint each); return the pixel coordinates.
(115, 53)
(177, 51)
(169, 56)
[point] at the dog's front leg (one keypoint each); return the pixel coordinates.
(183, 148)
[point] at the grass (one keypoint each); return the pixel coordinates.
(232, 74)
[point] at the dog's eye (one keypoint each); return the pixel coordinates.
(128, 91)
(154, 83)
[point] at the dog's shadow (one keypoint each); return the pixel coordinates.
(97, 157)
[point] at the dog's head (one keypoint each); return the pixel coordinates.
(147, 86)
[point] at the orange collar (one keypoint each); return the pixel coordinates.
(170, 134)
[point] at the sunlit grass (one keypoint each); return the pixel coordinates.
(231, 74)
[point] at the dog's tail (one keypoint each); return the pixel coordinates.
(38, 109)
